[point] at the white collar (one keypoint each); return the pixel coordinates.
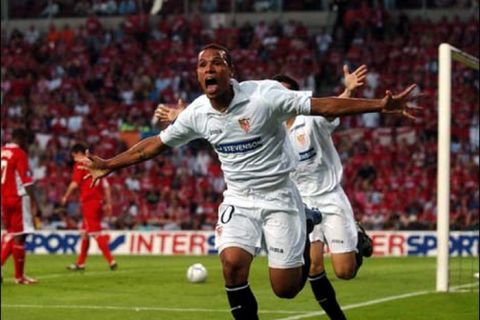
(239, 97)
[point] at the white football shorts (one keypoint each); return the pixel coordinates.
(270, 219)
(337, 229)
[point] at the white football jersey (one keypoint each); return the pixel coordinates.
(249, 137)
(319, 169)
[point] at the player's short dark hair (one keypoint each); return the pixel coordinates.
(288, 80)
(79, 148)
(19, 134)
(217, 46)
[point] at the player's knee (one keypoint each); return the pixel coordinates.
(286, 292)
(234, 271)
(316, 268)
(345, 273)
(286, 285)
(286, 295)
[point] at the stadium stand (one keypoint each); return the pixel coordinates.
(21, 9)
(100, 84)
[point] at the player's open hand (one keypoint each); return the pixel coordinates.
(96, 167)
(355, 79)
(400, 103)
(166, 114)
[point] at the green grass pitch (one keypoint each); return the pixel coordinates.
(154, 287)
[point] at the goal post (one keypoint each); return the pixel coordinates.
(447, 53)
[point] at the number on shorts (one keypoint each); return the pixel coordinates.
(227, 214)
(4, 170)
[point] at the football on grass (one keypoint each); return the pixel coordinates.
(197, 273)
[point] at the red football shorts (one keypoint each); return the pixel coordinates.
(92, 216)
(17, 215)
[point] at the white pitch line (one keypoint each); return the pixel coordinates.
(466, 285)
(358, 305)
(307, 314)
(81, 273)
(31, 306)
(376, 301)
(75, 273)
(463, 287)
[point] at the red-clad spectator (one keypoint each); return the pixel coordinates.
(93, 25)
(67, 36)
(53, 34)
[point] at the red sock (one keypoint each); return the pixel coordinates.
(6, 250)
(84, 244)
(18, 252)
(102, 241)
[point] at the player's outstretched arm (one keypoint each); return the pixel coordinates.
(144, 150)
(336, 107)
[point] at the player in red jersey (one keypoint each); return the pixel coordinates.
(91, 200)
(18, 202)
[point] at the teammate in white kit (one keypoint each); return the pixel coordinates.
(244, 124)
(318, 176)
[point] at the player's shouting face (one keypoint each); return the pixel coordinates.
(213, 73)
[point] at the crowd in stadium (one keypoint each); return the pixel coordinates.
(101, 85)
(70, 8)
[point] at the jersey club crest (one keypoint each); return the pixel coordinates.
(301, 139)
(244, 124)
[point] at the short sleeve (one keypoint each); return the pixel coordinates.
(286, 103)
(77, 175)
(23, 170)
(181, 131)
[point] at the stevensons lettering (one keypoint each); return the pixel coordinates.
(240, 146)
